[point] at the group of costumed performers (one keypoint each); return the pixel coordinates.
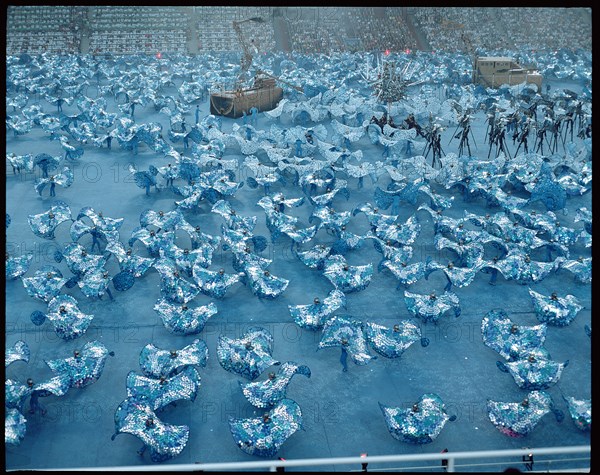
(319, 168)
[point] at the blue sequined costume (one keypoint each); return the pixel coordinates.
(164, 440)
(345, 277)
(512, 341)
(44, 224)
(457, 276)
(404, 234)
(518, 266)
(69, 322)
(128, 261)
(95, 282)
(186, 259)
(45, 283)
(517, 419)
(431, 307)
(18, 352)
(344, 328)
(581, 268)
(103, 225)
(155, 362)
(159, 393)
(17, 266)
(263, 436)
(14, 427)
(85, 367)
(329, 218)
(248, 355)
(80, 261)
(14, 396)
(166, 221)
(554, 310)
(173, 287)
(232, 220)
(214, 284)
(405, 273)
(581, 412)
(182, 319)
(263, 284)
(315, 315)
(392, 342)
(315, 257)
(153, 240)
(269, 392)
(535, 371)
(421, 423)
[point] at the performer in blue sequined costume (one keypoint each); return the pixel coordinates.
(510, 340)
(393, 342)
(263, 436)
(269, 392)
(555, 310)
(534, 371)
(421, 423)
(164, 440)
(84, 367)
(517, 419)
(69, 322)
(315, 315)
(343, 331)
(248, 355)
(183, 319)
(431, 307)
(155, 362)
(581, 412)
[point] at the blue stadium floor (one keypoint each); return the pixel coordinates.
(341, 416)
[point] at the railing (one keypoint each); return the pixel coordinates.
(526, 457)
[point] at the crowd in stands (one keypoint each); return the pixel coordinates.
(374, 32)
(229, 14)
(138, 29)
(350, 29)
(504, 28)
(135, 17)
(39, 18)
(138, 41)
(308, 37)
(43, 29)
(444, 27)
(215, 31)
(147, 29)
(537, 28)
(54, 42)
